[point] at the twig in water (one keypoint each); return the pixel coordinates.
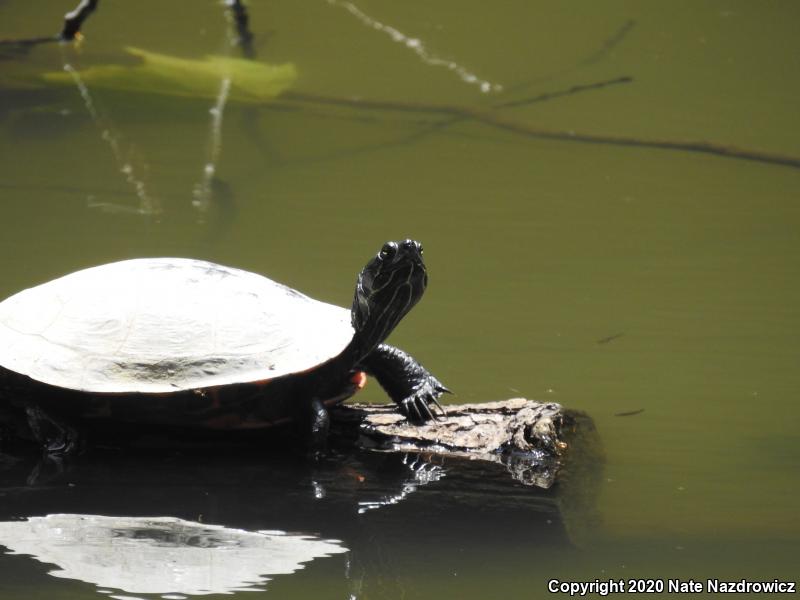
(610, 43)
(24, 45)
(488, 117)
(429, 127)
(575, 89)
(73, 21)
(610, 338)
(629, 413)
(244, 37)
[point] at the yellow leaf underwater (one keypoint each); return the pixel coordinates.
(162, 74)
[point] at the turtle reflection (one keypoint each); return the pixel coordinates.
(161, 555)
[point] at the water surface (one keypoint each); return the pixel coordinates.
(607, 278)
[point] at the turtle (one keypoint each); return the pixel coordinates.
(190, 344)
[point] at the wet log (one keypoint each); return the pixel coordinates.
(530, 439)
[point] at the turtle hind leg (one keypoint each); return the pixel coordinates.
(410, 385)
(57, 437)
(309, 427)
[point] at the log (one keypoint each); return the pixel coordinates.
(530, 439)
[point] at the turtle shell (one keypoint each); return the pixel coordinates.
(158, 325)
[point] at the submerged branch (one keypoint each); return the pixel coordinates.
(26, 43)
(571, 91)
(597, 55)
(609, 44)
(491, 118)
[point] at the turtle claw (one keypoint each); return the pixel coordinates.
(414, 408)
(427, 409)
(411, 409)
(439, 406)
(417, 407)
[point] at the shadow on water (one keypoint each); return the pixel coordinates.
(160, 520)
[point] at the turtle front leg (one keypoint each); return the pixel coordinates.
(406, 381)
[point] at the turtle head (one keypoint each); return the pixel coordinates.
(388, 287)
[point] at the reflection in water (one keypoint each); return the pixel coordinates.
(422, 473)
(203, 190)
(148, 205)
(416, 46)
(459, 510)
(161, 555)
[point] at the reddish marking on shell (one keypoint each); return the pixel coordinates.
(359, 378)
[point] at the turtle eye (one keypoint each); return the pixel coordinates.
(388, 251)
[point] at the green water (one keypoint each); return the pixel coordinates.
(608, 279)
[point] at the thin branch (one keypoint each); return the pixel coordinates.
(596, 56)
(28, 41)
(611, 43)
(575, 89)
(443, 124)
(489, 117)
(17, 49)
